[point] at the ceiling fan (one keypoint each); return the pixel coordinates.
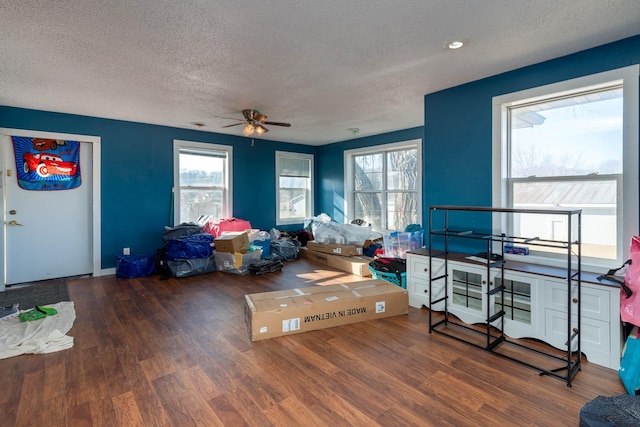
(255, 122)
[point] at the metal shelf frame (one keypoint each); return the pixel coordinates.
(570, 362)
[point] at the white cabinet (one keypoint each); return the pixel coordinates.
(535, 306)
(600, 327)
(521, 302)
(472, 303)
(418, 286)
(467, 286)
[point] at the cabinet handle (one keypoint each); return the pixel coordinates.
(575, 330)
(484, 282)
(575, 300)
(426, 269)
(426, 291)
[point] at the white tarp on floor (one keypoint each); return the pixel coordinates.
(39, 336)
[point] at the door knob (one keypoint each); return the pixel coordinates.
(13, 223)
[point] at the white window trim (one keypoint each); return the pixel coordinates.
(180, 144)
(348, 168)
(628, 76)
(310, 157)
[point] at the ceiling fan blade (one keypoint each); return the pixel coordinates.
(264, 129)
(235, 124)
(278, 124)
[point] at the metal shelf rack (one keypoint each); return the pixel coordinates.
(569, 362)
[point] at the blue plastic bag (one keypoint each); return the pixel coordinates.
(130, 266)
(630, 364)
(190, 247)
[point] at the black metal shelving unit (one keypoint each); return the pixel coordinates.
(569, 363)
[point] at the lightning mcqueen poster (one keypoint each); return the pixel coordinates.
(47, 164)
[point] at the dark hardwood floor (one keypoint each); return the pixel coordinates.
(151, 352)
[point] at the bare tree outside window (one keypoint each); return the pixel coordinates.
(385, 188)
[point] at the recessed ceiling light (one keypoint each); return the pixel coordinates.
(456, 44)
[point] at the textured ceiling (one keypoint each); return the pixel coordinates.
(324, 66)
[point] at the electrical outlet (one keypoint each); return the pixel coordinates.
(126, 251)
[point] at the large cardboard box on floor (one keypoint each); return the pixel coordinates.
(286, 312)
(358, 265)
(344, 250)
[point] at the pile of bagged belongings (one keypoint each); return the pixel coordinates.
(241, 249)
(328, 232)
(187, 251)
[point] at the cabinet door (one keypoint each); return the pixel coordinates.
(595, 337)
(467, 292)
(520, 300)
(599, 323)
(595, 302)
(418, 274)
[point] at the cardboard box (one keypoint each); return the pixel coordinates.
(236, 263)
(286, 312)
(233, 242)
(358, 265)
(344, 250)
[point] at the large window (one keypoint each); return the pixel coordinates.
(383, 185)
(294, 197)
(571, 146)
(202, 181)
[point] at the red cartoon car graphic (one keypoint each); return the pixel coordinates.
(42, 144)
(46, 164)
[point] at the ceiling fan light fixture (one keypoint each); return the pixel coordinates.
(260, 130)
(248, 130)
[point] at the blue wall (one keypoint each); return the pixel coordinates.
(137, 174)
(330, 166)
(457, 133)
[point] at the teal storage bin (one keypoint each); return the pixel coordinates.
(389, 277)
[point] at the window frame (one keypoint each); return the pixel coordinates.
(349, 184)
(627, 207)
(311, 190)
(203, 147)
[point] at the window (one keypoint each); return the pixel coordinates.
(202, 181)
(571, 145)
(383, 185)
(294, 198)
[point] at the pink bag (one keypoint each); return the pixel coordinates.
(218, 226)
(630, 304)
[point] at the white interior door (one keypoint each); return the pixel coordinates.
(47, 234)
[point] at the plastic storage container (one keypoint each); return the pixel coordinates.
(390, 277)
(396, 244)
